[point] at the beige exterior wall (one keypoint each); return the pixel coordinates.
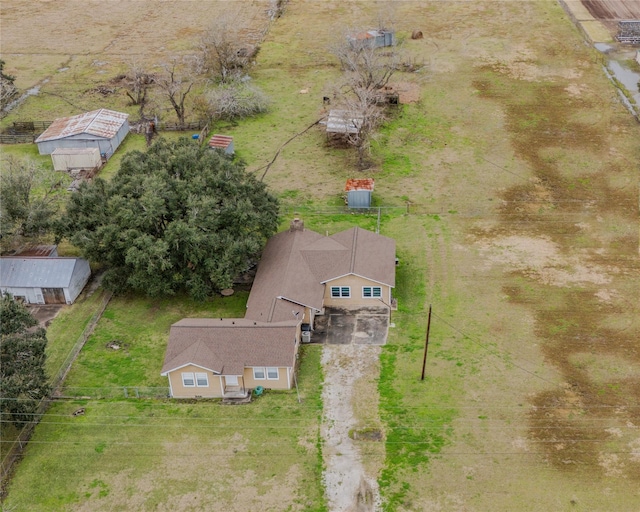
(355, 283)
(284, 381)
(178, 390)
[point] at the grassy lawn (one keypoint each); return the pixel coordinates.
(140, 327)
(146, 454)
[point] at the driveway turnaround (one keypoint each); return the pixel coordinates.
(360, 326)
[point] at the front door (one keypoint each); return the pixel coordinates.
(231, 380)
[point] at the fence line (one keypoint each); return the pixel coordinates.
(16, 449)
(21, 138)
(102, 393)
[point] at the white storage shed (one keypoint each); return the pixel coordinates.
(68, 159)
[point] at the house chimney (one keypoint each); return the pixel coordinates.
(297, 225)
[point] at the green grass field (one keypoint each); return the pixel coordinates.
(519, 164)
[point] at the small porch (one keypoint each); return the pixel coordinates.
(235, 392)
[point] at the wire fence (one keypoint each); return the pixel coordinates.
(15, 450)
(105, 393)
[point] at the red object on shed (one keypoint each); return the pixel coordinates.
(223, 142)
(354, 184)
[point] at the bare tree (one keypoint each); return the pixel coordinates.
(366, 114)
(223, 52)
(137, 82)
(236, 100)
(366, 66)
(176, 83)
(8, 89)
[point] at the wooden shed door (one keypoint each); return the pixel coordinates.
(54, 296)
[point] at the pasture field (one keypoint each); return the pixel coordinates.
(520, 167)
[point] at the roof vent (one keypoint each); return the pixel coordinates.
(297, 225)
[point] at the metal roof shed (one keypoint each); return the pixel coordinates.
(223, 143)
(359, 192)
(66, 159)
(344, 122)
(103, 129)
(44, 280)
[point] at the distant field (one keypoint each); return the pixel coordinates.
(518, 167)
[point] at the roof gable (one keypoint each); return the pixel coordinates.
(39, 272)
(102, 123)
(227, 346)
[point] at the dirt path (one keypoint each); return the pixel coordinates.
(348, 487)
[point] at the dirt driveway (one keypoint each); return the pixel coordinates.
(360, 326)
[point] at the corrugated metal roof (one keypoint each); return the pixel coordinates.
(100, 123)
(359, 184)
(220, 141)
(343, 121)
(41, 251)
(36, 272)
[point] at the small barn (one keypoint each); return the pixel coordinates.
(44, 280)
(223, 143)
(69, 159)
(359, 192)
(102, 129)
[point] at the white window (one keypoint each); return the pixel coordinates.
(371, 292)
(259, 373)
(201, 380)
(340, 291)
(272, 374)
(187, 380)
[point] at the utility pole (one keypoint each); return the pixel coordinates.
(426, 344)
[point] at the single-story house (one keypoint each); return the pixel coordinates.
(223, 143)
(103, 129)
(300, 272)
(70, 159)
(216, 357)
(37, 280)
(359, 191)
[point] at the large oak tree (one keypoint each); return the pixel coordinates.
(178, 217)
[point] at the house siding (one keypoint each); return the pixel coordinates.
(284, 381)
(356, 283)
(178, 390)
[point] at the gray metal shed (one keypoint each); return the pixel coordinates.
(359, 191)
(103, 129)
(44, 280)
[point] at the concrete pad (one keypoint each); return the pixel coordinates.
(371, 330)
(340, 329)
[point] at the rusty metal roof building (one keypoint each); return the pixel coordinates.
(104, 129)
(355, 184)
(222, 142)
(359, 191)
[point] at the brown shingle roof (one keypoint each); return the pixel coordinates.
(372, 256)
(295, 264)
(226, 346)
